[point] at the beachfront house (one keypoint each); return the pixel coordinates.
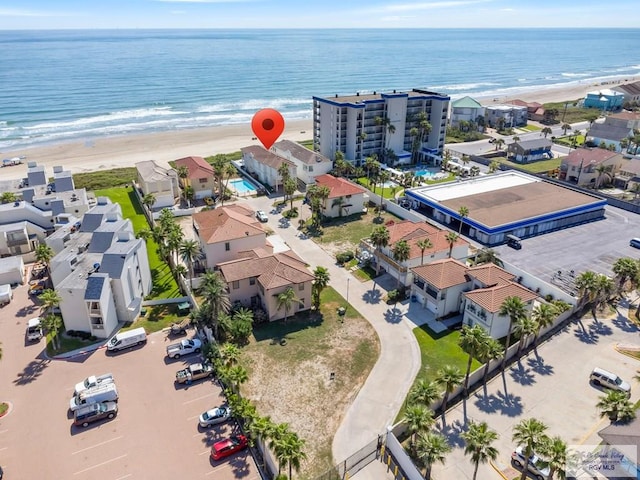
(345, 197)
(158, 181)
(465, 109)
(527, 151)
(414, 233)
(535, 110)
(583, 166)
(606, 99)
(506, 116)
(630, 91)
(226, 232)
(259, 277)
(264, 165)
(309, 164)
(615, 130)
(200, 176)
(362, 125)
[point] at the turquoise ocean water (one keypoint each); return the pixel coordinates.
(80, 85)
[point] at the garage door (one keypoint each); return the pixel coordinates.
(432, 307)
(202, 194)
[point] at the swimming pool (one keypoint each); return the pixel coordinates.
(242, 186)
(423, 173)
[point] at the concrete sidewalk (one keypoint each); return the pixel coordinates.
(384, 391)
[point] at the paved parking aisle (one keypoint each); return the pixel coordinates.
(155, 434)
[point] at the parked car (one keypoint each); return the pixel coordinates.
(107, 392)
(93, 381)
(635, 242)
(127, 339)
(228, 446)
(262, 216)
(94, 412)
(609, 380)
(185, 347)
(215, 416)
(195, 371)
(34, 329)
(209, 201)
(537, 467)
(181, 327)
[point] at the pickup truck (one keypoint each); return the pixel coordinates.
(193, 372)
(185, 347)
(93, 381)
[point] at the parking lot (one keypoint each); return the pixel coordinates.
(591, 246)
(155, 434)
(553, 388)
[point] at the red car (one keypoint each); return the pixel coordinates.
(228, 446)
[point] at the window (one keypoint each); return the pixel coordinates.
(227, 246)
(202, 180)
(236, 284)
(301, 287)
(252, 281)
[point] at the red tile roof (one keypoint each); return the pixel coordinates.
(491, 299)
(272, 271)
(490, 274)
(443, 273)
(226, 223)
(339, 187)
(588, 156)
(197, 166)
(413, 232)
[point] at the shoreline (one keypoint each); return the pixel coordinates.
(124, 151)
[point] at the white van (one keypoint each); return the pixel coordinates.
(609, 380)
(102, 393)
(127, 339)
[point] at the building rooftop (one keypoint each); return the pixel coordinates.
(265, 157)
(151, 171)
(225, 224)
(339, 187)
(492, 298)
(413, 232)
(502, 199)
(534, 144)
(299, 152)
(198, 167)
(443, 273)
(588, 156)
(361, 98)
(465, 102)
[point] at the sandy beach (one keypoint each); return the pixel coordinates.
(121, 151)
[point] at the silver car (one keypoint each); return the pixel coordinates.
(262, 216)
(215, 416)
(537, 468)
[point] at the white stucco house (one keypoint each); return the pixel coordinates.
(345, 197)
(161, 182)
(309, 164)
(263, 165)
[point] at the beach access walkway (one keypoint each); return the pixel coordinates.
(383, 393)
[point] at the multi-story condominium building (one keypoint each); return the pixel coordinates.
(362, 125)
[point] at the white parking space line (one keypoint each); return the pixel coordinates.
(3, 449)
(193, 418)
(205, 452)
(197, 434)
(126, 476)
(97, 445)
(100, 464)
(199, 398)
(3, 431)
(217, 469)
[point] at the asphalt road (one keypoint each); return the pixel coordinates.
(155, 434)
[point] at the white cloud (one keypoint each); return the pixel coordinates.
(204, 1)
(14, 12)
(407, 7)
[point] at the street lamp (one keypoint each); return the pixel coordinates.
(348, 279)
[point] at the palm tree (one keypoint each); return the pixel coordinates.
(472, 340)
(216, 297)
(524, 327)
(401, 253)
(190, 252)
(499, 143)
(181, 270)
(492, 351)
(229, 354)
(448, 377)
(586, 283)
(290, 186)
(53, 323)
(292, 447)
(44, 254)
(423, 125)
(515, 309)
(464, 213)
(487, 255)
(603, 171)
(237, 375)
(340, 203)
(626, 270)
(379, 238)
(565, 127)
(423, 245)
(555, 452)
(419, 419)
(260, 429)
(431, 448)
(321, 279)
(183, 174)
(50, 299)
(494, 166)
(616, 406)
(276, 436)
(605, 289)
(285, 300)
(530, 434)
(479, 440)
(148, 200)
(425, 392)
(451, 238)
(546, 131)
(219, 165)
(414, 133)
(516, 138)
(543, 314)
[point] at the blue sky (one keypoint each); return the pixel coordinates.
(73, 14)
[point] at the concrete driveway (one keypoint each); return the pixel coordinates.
(155, 434)
(552, 387)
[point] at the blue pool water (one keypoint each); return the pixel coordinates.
(241, 186)
(423, 173)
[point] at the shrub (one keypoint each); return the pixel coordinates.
(344, 257)
(293, 213)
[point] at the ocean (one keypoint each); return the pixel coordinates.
(81, 85)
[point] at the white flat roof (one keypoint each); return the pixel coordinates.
(483, 184)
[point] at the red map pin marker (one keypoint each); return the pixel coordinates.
(267, 124)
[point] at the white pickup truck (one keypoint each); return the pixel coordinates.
(93, 381)
(185, 347)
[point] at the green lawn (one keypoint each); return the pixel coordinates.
(157, 318)
(530, 128)
(568, 140)
(164, 285)
(67, 344)
(116, 177)
(438, 350)
(573, 114)
(386, 192)
(352, 229)
(541, 166)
